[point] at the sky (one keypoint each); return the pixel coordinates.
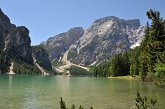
(47, 18)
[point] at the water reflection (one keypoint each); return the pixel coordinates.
(30, 100)
(37, 92)
(10, 82)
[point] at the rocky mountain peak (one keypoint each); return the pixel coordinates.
(75, 29)
(5, 23)
(103, 39)
(134, 23)
(105, 19)
(5, 28)
(3, 17)
(110, 25)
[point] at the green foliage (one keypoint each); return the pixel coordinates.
(62, 104)
(81, 107)
(23, 68)
(141, 103)
(134, 58)
(73, 106)
(74, 70)
(20, 67)
(152, 60)
(102, 70)
(4, 62)
(144, 103)
(160, 75)
(118, 66)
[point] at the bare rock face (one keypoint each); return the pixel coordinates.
(15, 45)
(15, 41)
(103, 39)
(56, 46)
(136, 36)
(42, 57)
(5, 28)
(18, 45)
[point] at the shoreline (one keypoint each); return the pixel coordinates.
(126, 77)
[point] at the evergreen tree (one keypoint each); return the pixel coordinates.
(153, 48)
(73, 106)
(134, 61)
(126, 64)
(144, 54)
(81, 107)
(155, 42)
(62, 104)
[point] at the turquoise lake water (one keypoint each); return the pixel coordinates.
(44, 92)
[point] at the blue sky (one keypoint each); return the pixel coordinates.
(46, 18)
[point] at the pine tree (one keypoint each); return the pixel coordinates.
(144, 54)
(153, 48)
(81, 107)
(62, 104)
(126, 64)
(73, 106)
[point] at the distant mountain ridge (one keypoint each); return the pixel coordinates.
(103, 39)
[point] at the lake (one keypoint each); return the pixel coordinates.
(44, 92)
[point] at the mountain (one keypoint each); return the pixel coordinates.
(56, 46)
(103, 39)
(16, 53)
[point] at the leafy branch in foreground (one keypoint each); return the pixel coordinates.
(144, 103)
(62, 104)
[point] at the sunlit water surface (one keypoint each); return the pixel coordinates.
(39, 92)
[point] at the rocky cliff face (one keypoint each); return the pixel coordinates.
(103, 39)
(15, 47)
(18, 45)
(5, 28)
(100, 42)
(59, 44)
(42, 57)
